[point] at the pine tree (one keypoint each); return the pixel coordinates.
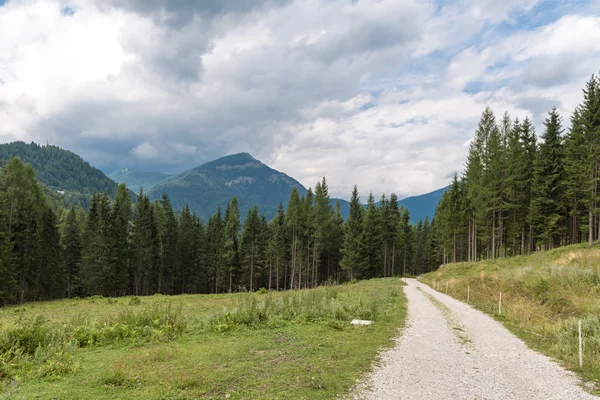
(293, 221)
(405, 239)
(24, 203)
(277, 248)
(145, 256)
(51, 276)
(547, 207)
(323, 219)
(187, 257)
(231, 232)
(118, 243)
(353, 259)
(251, 249)
(372, 240)
(72, 249)
(214, 240)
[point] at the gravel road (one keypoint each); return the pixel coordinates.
(452, 351)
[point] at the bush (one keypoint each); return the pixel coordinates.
(135, 301)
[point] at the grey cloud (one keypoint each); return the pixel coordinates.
(547, 71)
(178, 13)
(538, 106)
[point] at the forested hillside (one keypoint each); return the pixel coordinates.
(213, 184)
(520, 193)
(61, 170)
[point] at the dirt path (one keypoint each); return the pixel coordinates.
(451, 351)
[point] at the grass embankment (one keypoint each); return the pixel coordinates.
(543, 297)
(296, 345)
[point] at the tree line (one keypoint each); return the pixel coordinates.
(118, 247)
(519, 194)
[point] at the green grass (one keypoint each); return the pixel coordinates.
(543, 297)
(296, 345)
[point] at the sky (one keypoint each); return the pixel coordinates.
(385, 94)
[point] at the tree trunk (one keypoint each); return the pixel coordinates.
(493, 234)
(393, 258)
(252, 268)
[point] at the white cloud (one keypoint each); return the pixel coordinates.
(145, 151)
(372, 92)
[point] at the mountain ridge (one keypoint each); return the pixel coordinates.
(235, 166)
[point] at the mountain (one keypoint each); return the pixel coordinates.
(213, 184)
(203, 188)
(137, 179)
(423, 205)
(61, 170)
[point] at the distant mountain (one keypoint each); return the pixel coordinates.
(423, 205)
(61, 171)
(203, 188)
(206, 187)
(137, 179)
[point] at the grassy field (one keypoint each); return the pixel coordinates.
(294, 345)
(543, 297)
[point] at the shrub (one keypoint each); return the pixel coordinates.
(135, 301)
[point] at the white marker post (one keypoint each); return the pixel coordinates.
(500, 304)
(468, 293)
(580, 347)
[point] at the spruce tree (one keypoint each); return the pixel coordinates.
(72, 248)
(353, 254)
(251, 249)
(547, 207)
(372, 241)
(231, 232)
(214, 240)
(51, 273)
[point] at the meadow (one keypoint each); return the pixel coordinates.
(267, 345)
(544, 296)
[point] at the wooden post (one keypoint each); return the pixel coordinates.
(500, 304)
(446, 287)
(468, 293)
(580, 347)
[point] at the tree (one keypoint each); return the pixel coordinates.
(353, 254)
(145, 255)
(51, 275)
(293, 221)
(231, 232)
(214, 240)
(547, 207)
(118, 244)
(71, 241)
(251, 248)
(372, 240)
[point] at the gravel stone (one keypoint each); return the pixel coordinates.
(449, 350)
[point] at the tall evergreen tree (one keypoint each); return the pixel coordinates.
(72, 249)
(353, 255)
(251, 249)
(231, 232)
(547, 207)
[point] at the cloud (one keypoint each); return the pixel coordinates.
(381, 93)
